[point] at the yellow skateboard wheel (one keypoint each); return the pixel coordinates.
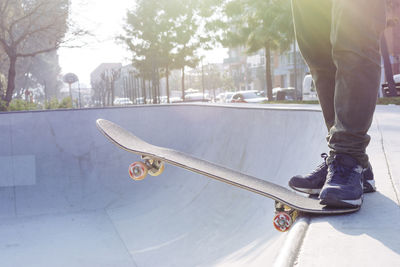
(158, 168)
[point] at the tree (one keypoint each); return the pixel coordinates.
(46, 72)
(186, 46)
(3, 82)
(40, 72)
(114, 75)
(188, 37)
(164, 35)
(142, 36)
(255, 24)
(29, 28)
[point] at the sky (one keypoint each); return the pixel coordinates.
(104, 19)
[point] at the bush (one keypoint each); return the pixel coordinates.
(389, 100)
(381, 101)
(3, 105)
(52, 104)
(65, 103)
(19, 104)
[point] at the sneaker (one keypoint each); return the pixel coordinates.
(344, 183)
(368, 180)
(313, 182)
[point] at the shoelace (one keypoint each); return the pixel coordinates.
(322, 165)
(339, 172)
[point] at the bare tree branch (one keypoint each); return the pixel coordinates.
(29, 28)
(37, 52)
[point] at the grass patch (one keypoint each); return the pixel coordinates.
(381, 101)
(389, 101)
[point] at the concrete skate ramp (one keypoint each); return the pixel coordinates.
(66, 198)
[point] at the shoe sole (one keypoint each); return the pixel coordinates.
(334, 202)
(368, 187)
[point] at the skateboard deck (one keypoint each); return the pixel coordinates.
(287, 203)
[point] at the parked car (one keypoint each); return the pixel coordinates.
(248, 97)
(197, 97)
(385, 86)
(219, 97)
(224, 97)
(175, 99)
(120, 101)
(228, 97)
(309, 92)
(163, 99)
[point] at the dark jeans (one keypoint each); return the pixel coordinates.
(339, 40)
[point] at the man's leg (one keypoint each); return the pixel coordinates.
(313, 24)
(312, 20)
(357, 26)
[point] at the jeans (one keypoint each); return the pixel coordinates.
(340, 42)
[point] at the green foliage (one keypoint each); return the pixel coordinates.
(381, 101)
(65, 103)
(389, 101)
(29, 29)
(3, 105)
(165, 34)
(52, 104)
(255, 25)
(55, 104)
(306, 102)
(19, 105)
(3, 85)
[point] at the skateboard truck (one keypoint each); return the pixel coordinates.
(139, 169)
(284, 216)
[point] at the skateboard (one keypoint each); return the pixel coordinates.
(288, 204)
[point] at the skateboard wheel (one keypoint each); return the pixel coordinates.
(138, 171)
(282, 221)
(157, 168)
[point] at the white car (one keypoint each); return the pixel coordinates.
(228, 97)
(197, 97)
(309, 92)
(252, 96)
(120, 101)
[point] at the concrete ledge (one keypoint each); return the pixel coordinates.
(292, 244)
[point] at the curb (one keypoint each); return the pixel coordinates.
(291, 246)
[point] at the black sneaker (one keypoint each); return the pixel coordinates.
(368, 181)
(313, 182)
(344, 183)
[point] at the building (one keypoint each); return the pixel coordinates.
(289, 69)
(248, 71)
(238, 68)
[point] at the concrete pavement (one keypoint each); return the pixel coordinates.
(370, 237)
(66, 199)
